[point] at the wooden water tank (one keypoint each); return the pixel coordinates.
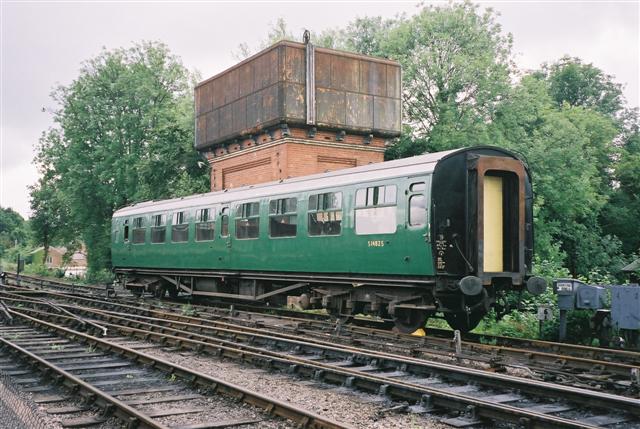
(299, 84)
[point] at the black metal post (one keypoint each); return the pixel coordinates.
(563, 325)
(18, 270)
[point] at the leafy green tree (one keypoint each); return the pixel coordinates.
(578, 84)
(50, 222)
(368, 36)
(569, 150)
(125, 134)
(622, 212)
(12, 229)
(456, 67)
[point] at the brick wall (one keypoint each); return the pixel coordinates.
(241, 164)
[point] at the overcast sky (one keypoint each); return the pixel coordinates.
(44, 43)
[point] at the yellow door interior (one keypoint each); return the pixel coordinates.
(493, 225)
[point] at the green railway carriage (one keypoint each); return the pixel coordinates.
(443, 232)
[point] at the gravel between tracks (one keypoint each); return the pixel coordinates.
(343, 405)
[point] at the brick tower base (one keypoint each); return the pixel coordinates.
(283, 153)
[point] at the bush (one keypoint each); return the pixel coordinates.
(99, 277)
(578, 327)
(38, 270)
(517, 324)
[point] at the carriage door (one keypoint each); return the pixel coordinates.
(493, 223)
(500, 185)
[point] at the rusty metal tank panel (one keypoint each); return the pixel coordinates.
(299, 84)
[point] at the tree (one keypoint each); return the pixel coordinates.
(456, 66)
(569, 149)
(48, 221)
(578, 84)
(125, 134)
(365, 36)
(620, 216)
(12, 229)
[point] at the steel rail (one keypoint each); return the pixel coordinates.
(379, 328)
(557, 364)
(526, 358)
(40, 281)
(270, 405)
(554, 362)
(494, 355)
(553, 348)
(397, 361)
(617, 362)
(103, 400)
(395, 388)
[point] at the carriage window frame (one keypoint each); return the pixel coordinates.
(205, 220)
(180, 225)
(374, 201)
(249, 213)
(158, 228)
(417, 190)
(423, 209)
(283, 209)
(138, 224)
(224, 223)
(319, 204)
(125, 231)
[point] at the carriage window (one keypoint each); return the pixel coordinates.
(205, 224)
(126, 231)
(139, 230)
(376, 196)
(158, 228)
(325, 214)
(377, 212)
(418, 187)
(417, 210)
(224, 222)
(179, 227)
(283, 220)
(248, 220)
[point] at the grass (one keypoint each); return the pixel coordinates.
(187, 310)
(517, 324)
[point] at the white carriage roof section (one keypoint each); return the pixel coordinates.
(406, 167)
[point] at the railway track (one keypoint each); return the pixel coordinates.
(359, 327)
(603, 375)
(429, 386)
(127, 383)
(608, 370)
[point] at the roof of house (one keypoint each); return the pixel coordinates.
(61, 250)
(632, 267)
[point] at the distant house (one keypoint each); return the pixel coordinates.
(77, 265)
(633, 270)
